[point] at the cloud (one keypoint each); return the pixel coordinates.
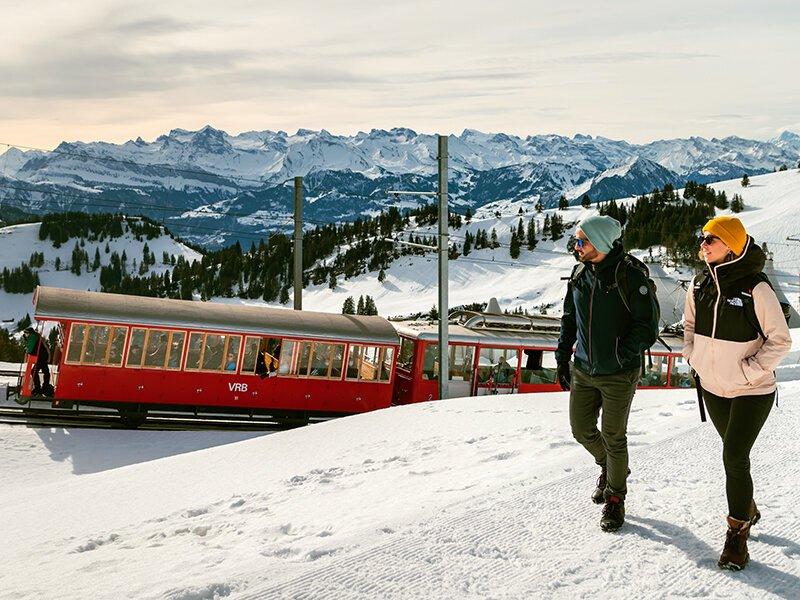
(627, 57)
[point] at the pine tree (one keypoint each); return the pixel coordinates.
(58, 263)
(360, 306)
(520, 231)
(495, 243)
(467, 244)
(369, 306)
(546, 226)
(96, 261)
(332, 281)
(531, 236)
(433, 313)
(737, 204)
(515, 245)
(563, 203)
(284, 296)
(745, 180)
(539, 206)
(381, 275)
(348, 308)
(468, 215)
(586, 201)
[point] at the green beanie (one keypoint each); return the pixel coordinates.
(601, 230)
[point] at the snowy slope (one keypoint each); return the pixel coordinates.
(18, 242)
(470, 498)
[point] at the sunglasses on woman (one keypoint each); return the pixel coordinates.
(707, 239)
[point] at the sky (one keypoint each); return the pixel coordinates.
(640, 71)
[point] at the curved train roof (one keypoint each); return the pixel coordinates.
(506, 337)
(58, 303)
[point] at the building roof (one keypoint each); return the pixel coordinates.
(57, 303)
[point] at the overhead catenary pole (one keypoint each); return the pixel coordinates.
(298, 243)
(444, 248)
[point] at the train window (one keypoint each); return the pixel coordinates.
(538, 366)
(430, 362)
(316, 359)
(261, 356)
(363, 363)
(337, 358)
(655, 374)
(175, 349)
(195, 351)
(213, 352)
(232, 344)
(94, 349)
(251, 346)
(136, 350)
(386, 364)
(680, 375)
(406, 357)
(77, 334)
(96, 345)
(155, 355)
(461, 359)
(498, 364)
(117, 346)
(287, 354)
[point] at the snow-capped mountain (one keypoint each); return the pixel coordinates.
(240, 181)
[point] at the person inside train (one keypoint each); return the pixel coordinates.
(504, 372)
(230, 362)
(273, 355)
(36, 346)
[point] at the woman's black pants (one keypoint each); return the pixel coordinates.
(738, 422)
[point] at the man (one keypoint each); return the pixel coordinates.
(35, 346)
(611, 332)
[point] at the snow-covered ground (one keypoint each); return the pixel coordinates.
(467, 498)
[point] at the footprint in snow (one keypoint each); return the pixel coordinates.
(560, 444)
(501, 456)
(665, 414)
(96, 543)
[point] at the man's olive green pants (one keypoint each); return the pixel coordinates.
(613, 394)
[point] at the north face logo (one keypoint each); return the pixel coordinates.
(735, 302)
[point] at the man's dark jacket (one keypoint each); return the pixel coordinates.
(609, 338)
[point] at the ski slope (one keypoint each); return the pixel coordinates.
(466, 498)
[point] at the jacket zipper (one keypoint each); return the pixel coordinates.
(715, 277)
(591, 304)
(616, 352)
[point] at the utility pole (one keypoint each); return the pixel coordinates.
(443, 248)
(298, 243)
(444, 257)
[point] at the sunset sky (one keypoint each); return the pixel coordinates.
(109, 70)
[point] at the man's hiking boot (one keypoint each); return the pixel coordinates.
(734, 556)
(755, 514)
(598, 496)
(613, 514)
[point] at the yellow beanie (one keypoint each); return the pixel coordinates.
(730, 230)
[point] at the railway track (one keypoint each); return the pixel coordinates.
(156, 421)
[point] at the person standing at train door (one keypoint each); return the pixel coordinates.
(36, 346)
(610, 310)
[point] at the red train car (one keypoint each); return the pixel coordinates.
(138, 353)
(504, 354)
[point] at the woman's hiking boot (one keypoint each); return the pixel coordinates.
(734, 556)
(613, 514)
(755, 514)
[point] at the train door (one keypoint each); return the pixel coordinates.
(496, 372)
(461, 361)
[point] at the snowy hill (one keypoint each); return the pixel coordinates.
(241, 178)
(469, 498)
(18, 242)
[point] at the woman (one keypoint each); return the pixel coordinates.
(735, 335)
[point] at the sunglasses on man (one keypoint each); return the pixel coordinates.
(707, 239)
(580, 242)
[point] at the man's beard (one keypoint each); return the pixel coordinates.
(588, 256)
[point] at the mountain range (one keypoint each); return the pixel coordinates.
(212, 187)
